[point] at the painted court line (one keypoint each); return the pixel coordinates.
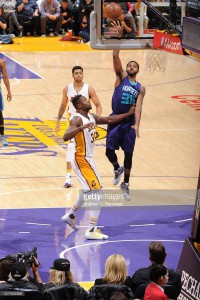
(38, 224)
(186, 220)
(170, 129)
(30, 190)
(141, 225)
(12, 59)
(117, 241)
(87, 226)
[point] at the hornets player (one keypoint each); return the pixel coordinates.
(128, 92)
(82, 129)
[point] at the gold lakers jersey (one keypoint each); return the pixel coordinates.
(84, 140)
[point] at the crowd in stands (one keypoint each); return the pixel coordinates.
(42, 17)
(56, 17)
(154, 282)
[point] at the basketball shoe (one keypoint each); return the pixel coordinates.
(68, 181)
(3, 141)
(125, 188)
(70, 220)
(95, 234)
(118, 175)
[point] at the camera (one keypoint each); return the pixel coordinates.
(27, 257)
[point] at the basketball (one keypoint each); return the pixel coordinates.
(113, 11)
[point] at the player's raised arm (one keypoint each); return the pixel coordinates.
(119, 71)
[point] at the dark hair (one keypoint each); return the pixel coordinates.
(157, 252)
(75, 100)
(156, 272)
(5, 267)
(133, 62)
(118, 296)
(76, 68)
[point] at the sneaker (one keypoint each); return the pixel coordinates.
(68, 182)
(20, 28)
(20, 34)
(125, 188)
(70, 221)
(95, 234)
(118, 175)
(43, 35)
(4, 141)
(51, 34)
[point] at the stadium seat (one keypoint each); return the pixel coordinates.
(105, 291)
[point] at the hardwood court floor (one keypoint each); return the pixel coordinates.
(166, 156)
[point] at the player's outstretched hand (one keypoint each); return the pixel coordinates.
(90, 126)
(9, 97)
(136, 130)
(57, 127)
(131, 110)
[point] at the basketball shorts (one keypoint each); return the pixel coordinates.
(121, 135)
(1, 101)
(86, 173)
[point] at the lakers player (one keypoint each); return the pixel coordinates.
(82, 129)
(71, 90)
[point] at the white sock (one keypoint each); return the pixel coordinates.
(95, 211)
(78, 203)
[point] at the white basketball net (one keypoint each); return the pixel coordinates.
(156, 60)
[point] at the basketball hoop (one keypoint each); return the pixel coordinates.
(156, 57)
(156, 60)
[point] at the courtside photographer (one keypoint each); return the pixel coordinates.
(15, 271)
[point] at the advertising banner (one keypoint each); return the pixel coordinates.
(167, 42)
(189, 268)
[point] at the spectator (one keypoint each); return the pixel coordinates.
(159, 277)
(50, 14)
(67, 20)
(76, 13)
(60, 274)
(85, 30)
(157, 255)
(4, 38)
(9, 7)
(5, 268)
(18, 278)
(115, 272)
(145, 18)
(28, 10)
(36, 279)
(87, 6)
(125, 26)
